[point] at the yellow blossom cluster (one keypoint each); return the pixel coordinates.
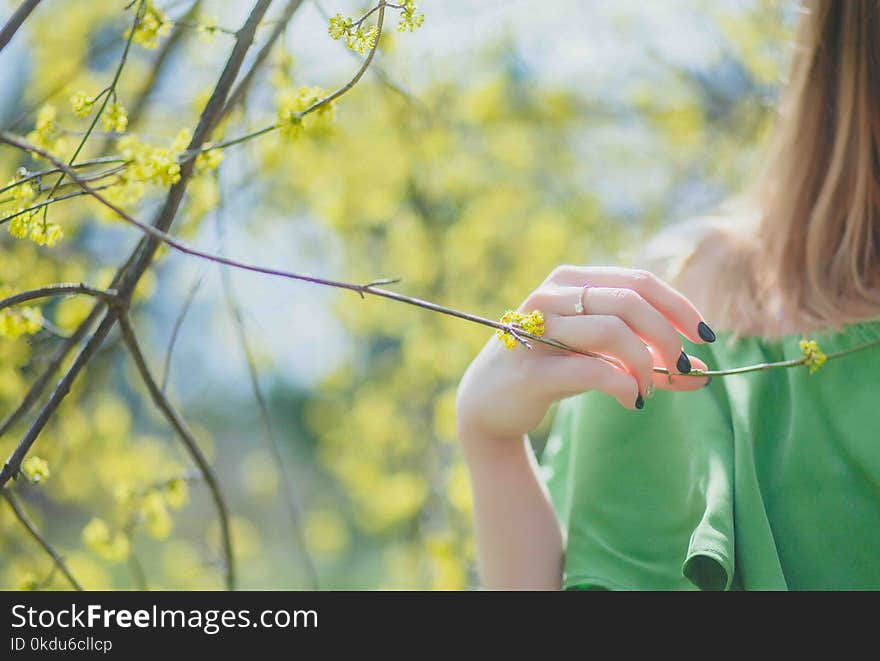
(46, 134)
(410, 19)
(151, 27)
(26, 223)
(115, 118)
(113, 547)
(148, 163)
(360, 38)
(82, 104)
(531, 323)
(35, 469)
(813, 356)
(207, 29)
(291, 102)
(209, 158)
(22, 321)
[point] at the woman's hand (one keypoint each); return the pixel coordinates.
(629, 315)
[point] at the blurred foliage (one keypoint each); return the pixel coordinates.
(471, 192)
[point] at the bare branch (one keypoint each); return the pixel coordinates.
(268, 428)
(160, 236)
(241, 89)
(162, 58)
(30, 176)
(175, 331)
(50, 201)
(188, 440)
(39, 385)
(137, 263)
(56, 290)
(19, 16)
(42, 541)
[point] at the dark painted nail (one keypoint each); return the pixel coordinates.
(708, 381)
(640, 403)
(705, 332)
(683, 364)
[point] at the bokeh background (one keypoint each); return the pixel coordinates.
(497, 141)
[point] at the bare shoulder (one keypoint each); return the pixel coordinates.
(707, 259)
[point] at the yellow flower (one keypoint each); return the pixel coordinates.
(115, 118)
(156, 516)
(409, 19)
(363, 39)
(35, 469)
(534, 323)
(29, 582)
(209, 159)
(24, 321)
(95, 533)
(97, 537)
(45, 134)
(339, 26)
(82, 104)
(176, 493)
(208, 29)
(531, 323)
(814, 358)
(153, 24)
(24, 192)
(46, 234)
(20, 225)
(181, 141)
(149, 163)
(291, 103)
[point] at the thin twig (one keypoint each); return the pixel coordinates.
(238, 94)
(19, 16)
(110, 92)
(191, 153)
(162, 58)
(188, 440)
(40, 539)
(137, 263)
(519, 333)
(63, 289)
(39, 385)
(137, 571)
(46, 203)
(30, 176)
(290, 499)
(175, 331)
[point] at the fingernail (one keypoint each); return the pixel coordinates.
(708, 381)
(640, 403)
(705, 332)
(683, 364)
(649, 391)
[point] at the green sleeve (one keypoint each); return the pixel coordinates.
(645, 498)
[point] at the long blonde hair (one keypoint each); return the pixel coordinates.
(811, 256)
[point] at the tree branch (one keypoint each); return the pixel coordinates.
(56, 290)
(42, 541)
(167, 48)
(19, 16)
(241, 89)
(188, 440)
(175, 331)
(136, 264)
(290, 499)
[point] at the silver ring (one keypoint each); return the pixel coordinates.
(579, 303)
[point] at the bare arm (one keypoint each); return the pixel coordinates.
(519, 540)
(630, 315)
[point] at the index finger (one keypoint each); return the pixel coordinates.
(672, 304)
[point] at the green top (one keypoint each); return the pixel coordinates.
(761, 481)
